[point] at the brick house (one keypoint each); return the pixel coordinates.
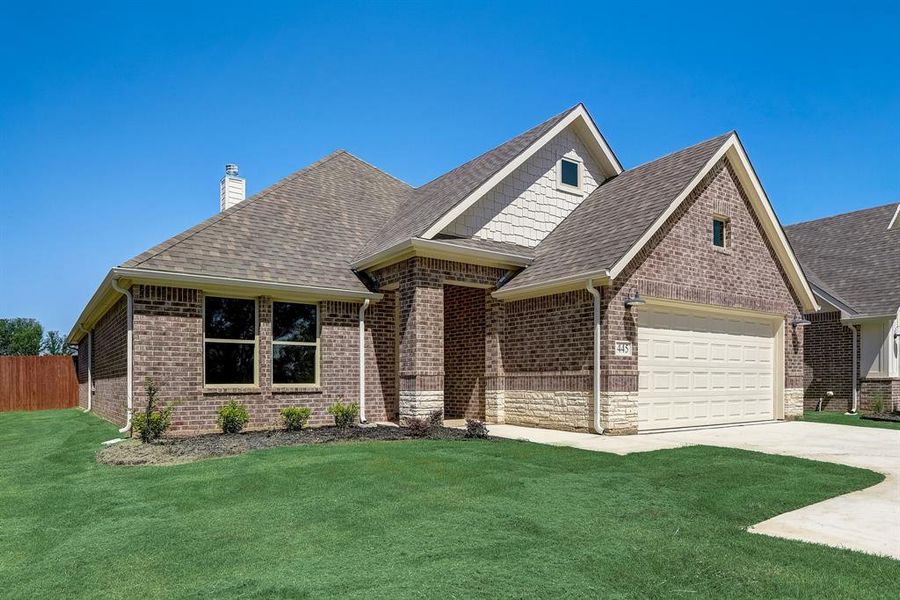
(538, 284)
(852, 346)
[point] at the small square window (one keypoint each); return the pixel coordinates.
(720, 233)
(568, 173)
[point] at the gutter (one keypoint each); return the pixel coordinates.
(90, 374)
(539, 289)
(129, 379)
(855, 381)
(362, 360)
(598, 427)
(441, 249)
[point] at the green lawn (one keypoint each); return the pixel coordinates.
(420, 519)
(839, 418)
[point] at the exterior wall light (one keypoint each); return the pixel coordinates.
(800, 322)
(634, 299)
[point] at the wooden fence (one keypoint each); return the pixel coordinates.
(37, 382)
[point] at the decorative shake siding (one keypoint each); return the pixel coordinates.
(827, 349)
(168, 347)
(528, 204)
(110, 363)
(680, 263)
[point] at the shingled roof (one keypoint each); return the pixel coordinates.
(305, 229)
(855, 255)
(614, 217)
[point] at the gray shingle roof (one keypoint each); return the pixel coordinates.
(430, 202)
(613, 218)
(855, 255)
(303, 230)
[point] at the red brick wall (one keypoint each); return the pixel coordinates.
(548, 343)
(110, 363)
(464, 352)
(168, 341)
(81, 370)
(827, 350)
(680, 263)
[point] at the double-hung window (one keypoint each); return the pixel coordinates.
(229, 341)
(295, 343)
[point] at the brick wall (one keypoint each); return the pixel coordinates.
(464, 352)
(81, 370)
(168, 347)
(110, 363)
(680, 263)
(827, 349)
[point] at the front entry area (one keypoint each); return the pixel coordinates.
(701, 368)
(464, 352)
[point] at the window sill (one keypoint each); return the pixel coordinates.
(722, 250)
(296, 389)
(236, 389)
(568, 189)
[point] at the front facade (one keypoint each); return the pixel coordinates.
(539, 284)
(852, 351)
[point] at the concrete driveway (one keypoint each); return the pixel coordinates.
(867, 520)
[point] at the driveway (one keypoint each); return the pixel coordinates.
(867, 520)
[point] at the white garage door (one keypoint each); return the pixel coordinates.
(703, 369)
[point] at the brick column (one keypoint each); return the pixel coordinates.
(421, 344)
(494, 406)
(619, 377)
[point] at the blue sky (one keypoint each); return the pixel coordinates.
(116, 120)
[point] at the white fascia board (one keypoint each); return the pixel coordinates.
(553, 286)
(445, 250)
(579, 113)
(105, 290)
(733, 148)
(856, 319)
(894, 220)
(826, 297)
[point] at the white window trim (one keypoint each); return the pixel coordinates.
(564, 187)
(316, 344)
(255, 342)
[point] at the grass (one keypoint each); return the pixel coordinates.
(839, 418)
(419, 519)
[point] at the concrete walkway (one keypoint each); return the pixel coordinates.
(867, 520)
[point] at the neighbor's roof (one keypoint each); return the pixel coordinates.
(855, 255)
(304, 229)
(614, 217)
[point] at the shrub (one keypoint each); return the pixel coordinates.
(344, 414)
(232, 417)
(155, 420)
(476, 429)
(418, 426)
(295, 417)
(877, 404)
(436, 418)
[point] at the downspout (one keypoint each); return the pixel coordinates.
(90, 373)
(362, 360)
(854, 382)
(130, 355)
(598, 427)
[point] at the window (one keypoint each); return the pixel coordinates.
(295, 343)
(569, 173)
(720, 233)
(229, 341)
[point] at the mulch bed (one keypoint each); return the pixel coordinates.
(178, 450)
(893, 417)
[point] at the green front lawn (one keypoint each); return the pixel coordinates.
(839, 418)
(423, 519)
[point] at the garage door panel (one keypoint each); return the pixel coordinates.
(699, 369)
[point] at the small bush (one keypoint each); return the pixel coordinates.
(877, 405)
(418, 426)
(476, 429)
(295, 417)
(154, 421)
(232, 417)
(436, 418)
(344, 414)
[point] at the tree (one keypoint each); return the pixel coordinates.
(55, 344)
(20, 337)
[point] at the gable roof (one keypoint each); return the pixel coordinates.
(304, 229)
(431, 207)
(854, 255)
(600, 237)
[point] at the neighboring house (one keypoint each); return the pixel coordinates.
(538, 284)
(852, 347)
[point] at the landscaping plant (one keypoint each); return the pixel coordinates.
(876, 406)
(344, 414)
(295, 417)
(232, 417)
(421, 426)
(155, 420)
(476, 429)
